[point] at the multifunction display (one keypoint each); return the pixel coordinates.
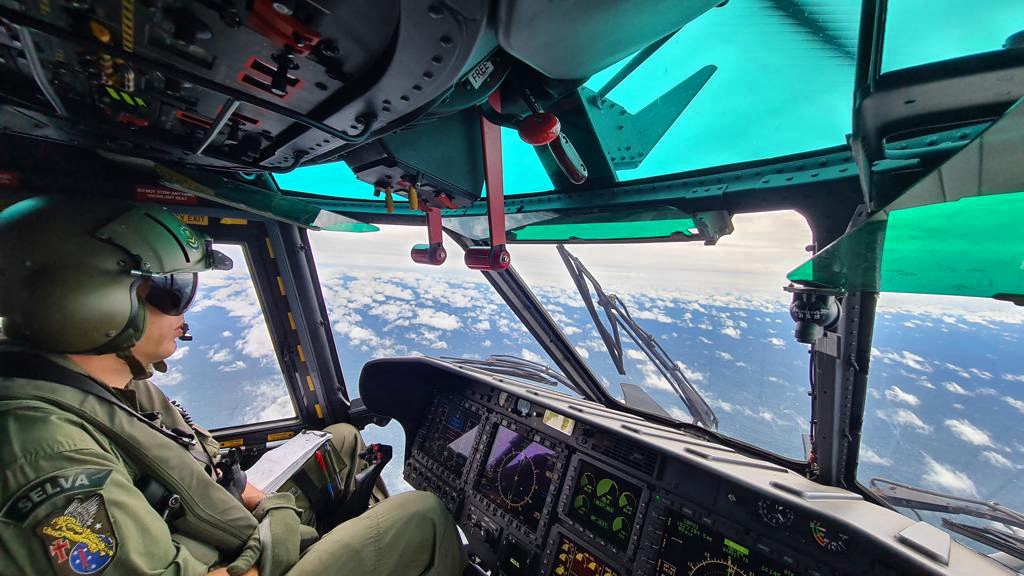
(449, 442)
(604, 503)
(572, 559)
(690, 549)
(518, 476)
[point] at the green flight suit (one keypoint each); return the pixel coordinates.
(69, 505)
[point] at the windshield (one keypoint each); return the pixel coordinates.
(718, 312)
(946, 398)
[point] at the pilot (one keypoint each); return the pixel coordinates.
(97, 474)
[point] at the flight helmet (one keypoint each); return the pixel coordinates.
(70, 270)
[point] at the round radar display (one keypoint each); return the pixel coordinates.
(518, 475)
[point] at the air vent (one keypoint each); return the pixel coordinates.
(629, 454)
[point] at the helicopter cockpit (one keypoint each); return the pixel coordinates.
(656, 287)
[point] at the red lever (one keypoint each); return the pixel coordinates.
(433, 253)
(495, 256)
(539, 129)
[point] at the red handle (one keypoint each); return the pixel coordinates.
(430, 254)
(488, 258)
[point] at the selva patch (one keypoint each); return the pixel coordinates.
(63, 483)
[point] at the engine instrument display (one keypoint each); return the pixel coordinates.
(518, 476)
(449, 441)
(575, 560)
(687, 548)
(604, 503)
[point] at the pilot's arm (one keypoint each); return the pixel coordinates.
(69, 505)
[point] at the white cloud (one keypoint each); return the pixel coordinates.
(234, 366)
(871, 457)
(257, 344)
(1018, 404)
(981, 373)
(531, 356)
(172, 377)
(895, 394)
(219, 355)
(437, 319)
(268, 400)
(959, 371)
(906, 358)
(731, 332)
(723, 355)
(968, 432)
(777, 342)
(225, 334)
(996, 459)
(948, 479)
(179, 353)
(1014, 377)
(905, 418)
(482, 326)
(692, 374)
(583, 352)
(956, 388)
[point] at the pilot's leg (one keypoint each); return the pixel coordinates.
(405, 535)
(349, 445)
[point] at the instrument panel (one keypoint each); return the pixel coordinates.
(543, 484)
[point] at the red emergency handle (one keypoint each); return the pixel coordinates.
(488, 258)
(431, 254)
(539, 129)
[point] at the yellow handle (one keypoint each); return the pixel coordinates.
(414, 198)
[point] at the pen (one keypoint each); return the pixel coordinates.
(327, 476)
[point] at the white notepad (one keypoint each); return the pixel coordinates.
(278, 465)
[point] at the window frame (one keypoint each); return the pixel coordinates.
(255, 238)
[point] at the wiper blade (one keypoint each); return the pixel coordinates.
(913, 497)
(618, 316)
(916, 498)
(517, 367)
(1002, 540)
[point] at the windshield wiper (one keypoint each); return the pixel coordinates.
(518, 368)
(915, 498)
(619, 317)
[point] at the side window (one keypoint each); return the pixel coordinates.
(946, 399)
(229, 374)
(382, 304)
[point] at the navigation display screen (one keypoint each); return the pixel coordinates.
(518, 475)
(575, 560)
(689, 548)
(449, 440)
(604, 503)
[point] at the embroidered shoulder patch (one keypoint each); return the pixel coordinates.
(80, 539)
(71, 481)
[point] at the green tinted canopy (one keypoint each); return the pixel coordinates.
(957, 231)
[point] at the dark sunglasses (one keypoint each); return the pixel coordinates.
(172, 294)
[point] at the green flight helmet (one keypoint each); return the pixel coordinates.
(70, 269)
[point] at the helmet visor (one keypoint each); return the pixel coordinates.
(172, 294)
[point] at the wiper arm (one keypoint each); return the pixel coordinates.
(518, 368)
(915, 498)
(907, 496)
(1002, 540)
(618, 316)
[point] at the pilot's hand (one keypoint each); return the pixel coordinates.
(251, 496)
